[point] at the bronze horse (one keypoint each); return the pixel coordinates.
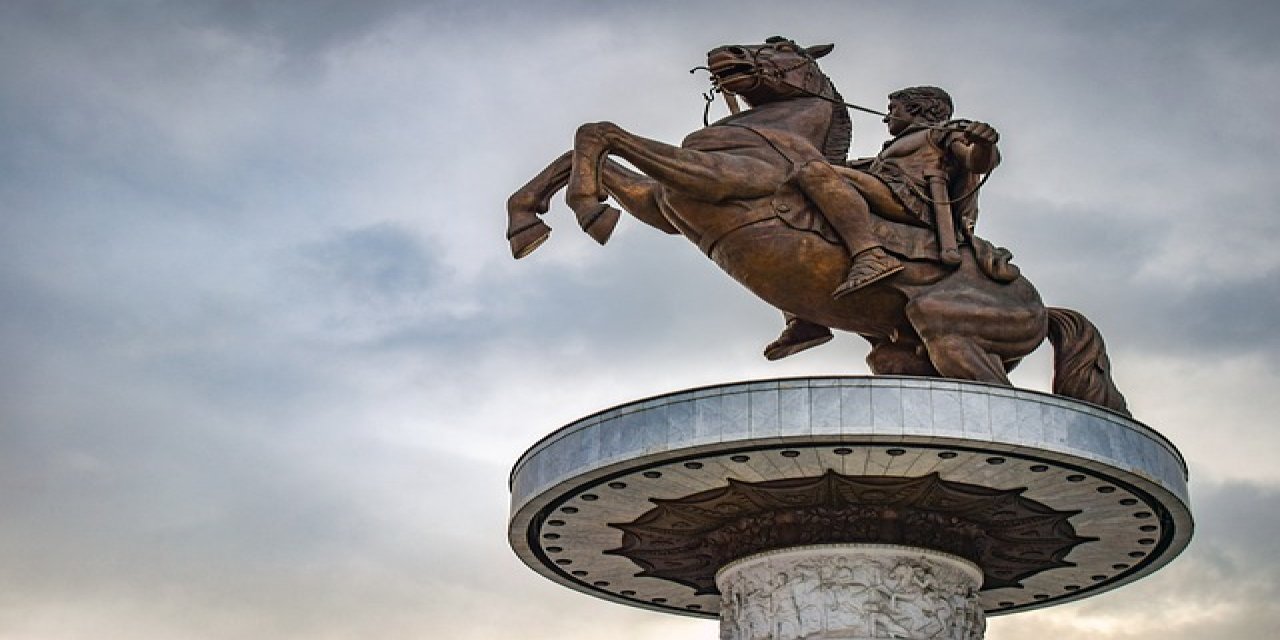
(730, 189)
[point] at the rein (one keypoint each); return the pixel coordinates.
(758, 73)
(946, 128)
(935, 127)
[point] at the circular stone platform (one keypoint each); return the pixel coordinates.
(1052, 498)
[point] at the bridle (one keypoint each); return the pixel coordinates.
(758, 73)
(779, 74)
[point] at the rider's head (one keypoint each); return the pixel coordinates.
(930, 104)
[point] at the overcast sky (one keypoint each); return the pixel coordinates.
(267, 360)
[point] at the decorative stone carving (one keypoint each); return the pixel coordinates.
(852, 592)
(687, 539)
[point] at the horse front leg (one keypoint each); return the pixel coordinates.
(635, 192)
(701, 175)
(585, 193)
(525, 229)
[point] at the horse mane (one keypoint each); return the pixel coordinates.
(840, 132)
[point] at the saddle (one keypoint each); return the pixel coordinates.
(904, 240)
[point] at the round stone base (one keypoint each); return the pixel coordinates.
(851, 592)
(1052, 498)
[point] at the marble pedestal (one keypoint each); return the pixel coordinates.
(850, 592)
(653, 503)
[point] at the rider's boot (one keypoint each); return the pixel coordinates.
(798, 336)
(870, 265)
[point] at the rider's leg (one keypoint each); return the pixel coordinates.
(849, 214)
(879, 196)
(800, 334)
(840, 203)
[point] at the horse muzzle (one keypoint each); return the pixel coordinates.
(735, 77)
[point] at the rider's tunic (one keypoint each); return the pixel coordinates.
(904, 165)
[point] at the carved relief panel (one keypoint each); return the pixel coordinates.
(851, 592)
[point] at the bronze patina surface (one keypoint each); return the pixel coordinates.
(883, 247)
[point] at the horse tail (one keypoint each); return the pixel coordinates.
(1081, 368)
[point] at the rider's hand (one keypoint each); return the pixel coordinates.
(981, 132)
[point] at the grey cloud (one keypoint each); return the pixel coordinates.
(379, 262)
(1236, 523)
(301, 28)
(1235, 317)
(1060, 242)
(266, 358)
(293, 529)
(305, 27)
(1224, 584)
(1103, 264)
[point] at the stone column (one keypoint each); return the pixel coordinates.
(850, 592)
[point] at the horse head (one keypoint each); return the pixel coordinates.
(776, 70)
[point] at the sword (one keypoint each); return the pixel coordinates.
(948, 252)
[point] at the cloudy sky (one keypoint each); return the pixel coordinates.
(267, 360)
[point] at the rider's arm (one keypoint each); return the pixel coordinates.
(975, 148)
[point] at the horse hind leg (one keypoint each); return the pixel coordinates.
(963, 358)
(952, 333)
(900, 359)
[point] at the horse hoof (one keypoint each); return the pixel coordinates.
(527, 238)
(601, 222)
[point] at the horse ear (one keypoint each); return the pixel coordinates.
(817, 51)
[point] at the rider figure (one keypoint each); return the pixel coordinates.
(927, 147)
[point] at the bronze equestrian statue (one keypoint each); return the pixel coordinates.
(883, 247)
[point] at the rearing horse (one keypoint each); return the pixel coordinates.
(730, 189)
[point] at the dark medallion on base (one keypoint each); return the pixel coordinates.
(686, 540)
